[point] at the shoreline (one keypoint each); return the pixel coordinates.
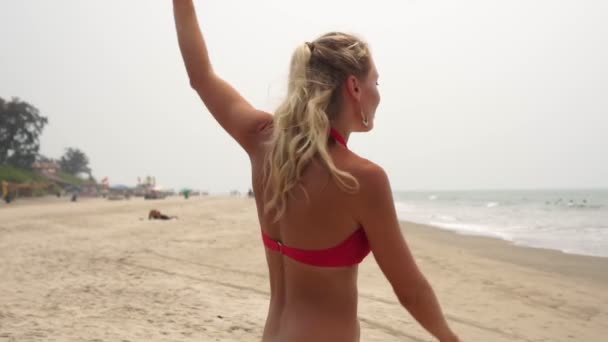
(543, 259)
(551, 252)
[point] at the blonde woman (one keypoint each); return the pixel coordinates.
(321, 207)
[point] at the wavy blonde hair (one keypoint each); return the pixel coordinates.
(302, 121)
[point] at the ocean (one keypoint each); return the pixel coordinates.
(571, 221)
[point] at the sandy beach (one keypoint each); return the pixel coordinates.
(99, 270)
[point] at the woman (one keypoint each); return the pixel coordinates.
(321, 207)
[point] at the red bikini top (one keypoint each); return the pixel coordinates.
(347, 253)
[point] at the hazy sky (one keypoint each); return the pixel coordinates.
(475, 94)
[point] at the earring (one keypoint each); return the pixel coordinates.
(365, 121)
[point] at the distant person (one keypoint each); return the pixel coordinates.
(5, 194)
(321, 207)
(157, 215)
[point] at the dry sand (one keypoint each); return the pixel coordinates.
(98, 270)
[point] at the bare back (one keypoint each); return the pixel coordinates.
(308, 302)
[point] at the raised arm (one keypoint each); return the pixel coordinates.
(379, 219)
(240, 119)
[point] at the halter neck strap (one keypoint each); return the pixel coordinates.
(336, 135)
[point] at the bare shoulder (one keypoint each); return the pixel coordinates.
(374, 186)
(370, 175)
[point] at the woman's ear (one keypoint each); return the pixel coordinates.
(352, 87)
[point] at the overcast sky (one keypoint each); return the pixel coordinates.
(476, 94)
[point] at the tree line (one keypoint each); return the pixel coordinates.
(21, 125)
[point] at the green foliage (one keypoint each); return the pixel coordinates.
(66, 177)
(15, 175)
(20, 126)
(74, 162)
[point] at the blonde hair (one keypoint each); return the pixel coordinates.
(302, 122)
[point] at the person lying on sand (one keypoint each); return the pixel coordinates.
(157, 215)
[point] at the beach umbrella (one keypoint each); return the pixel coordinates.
(72, 188)
(119, 187)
